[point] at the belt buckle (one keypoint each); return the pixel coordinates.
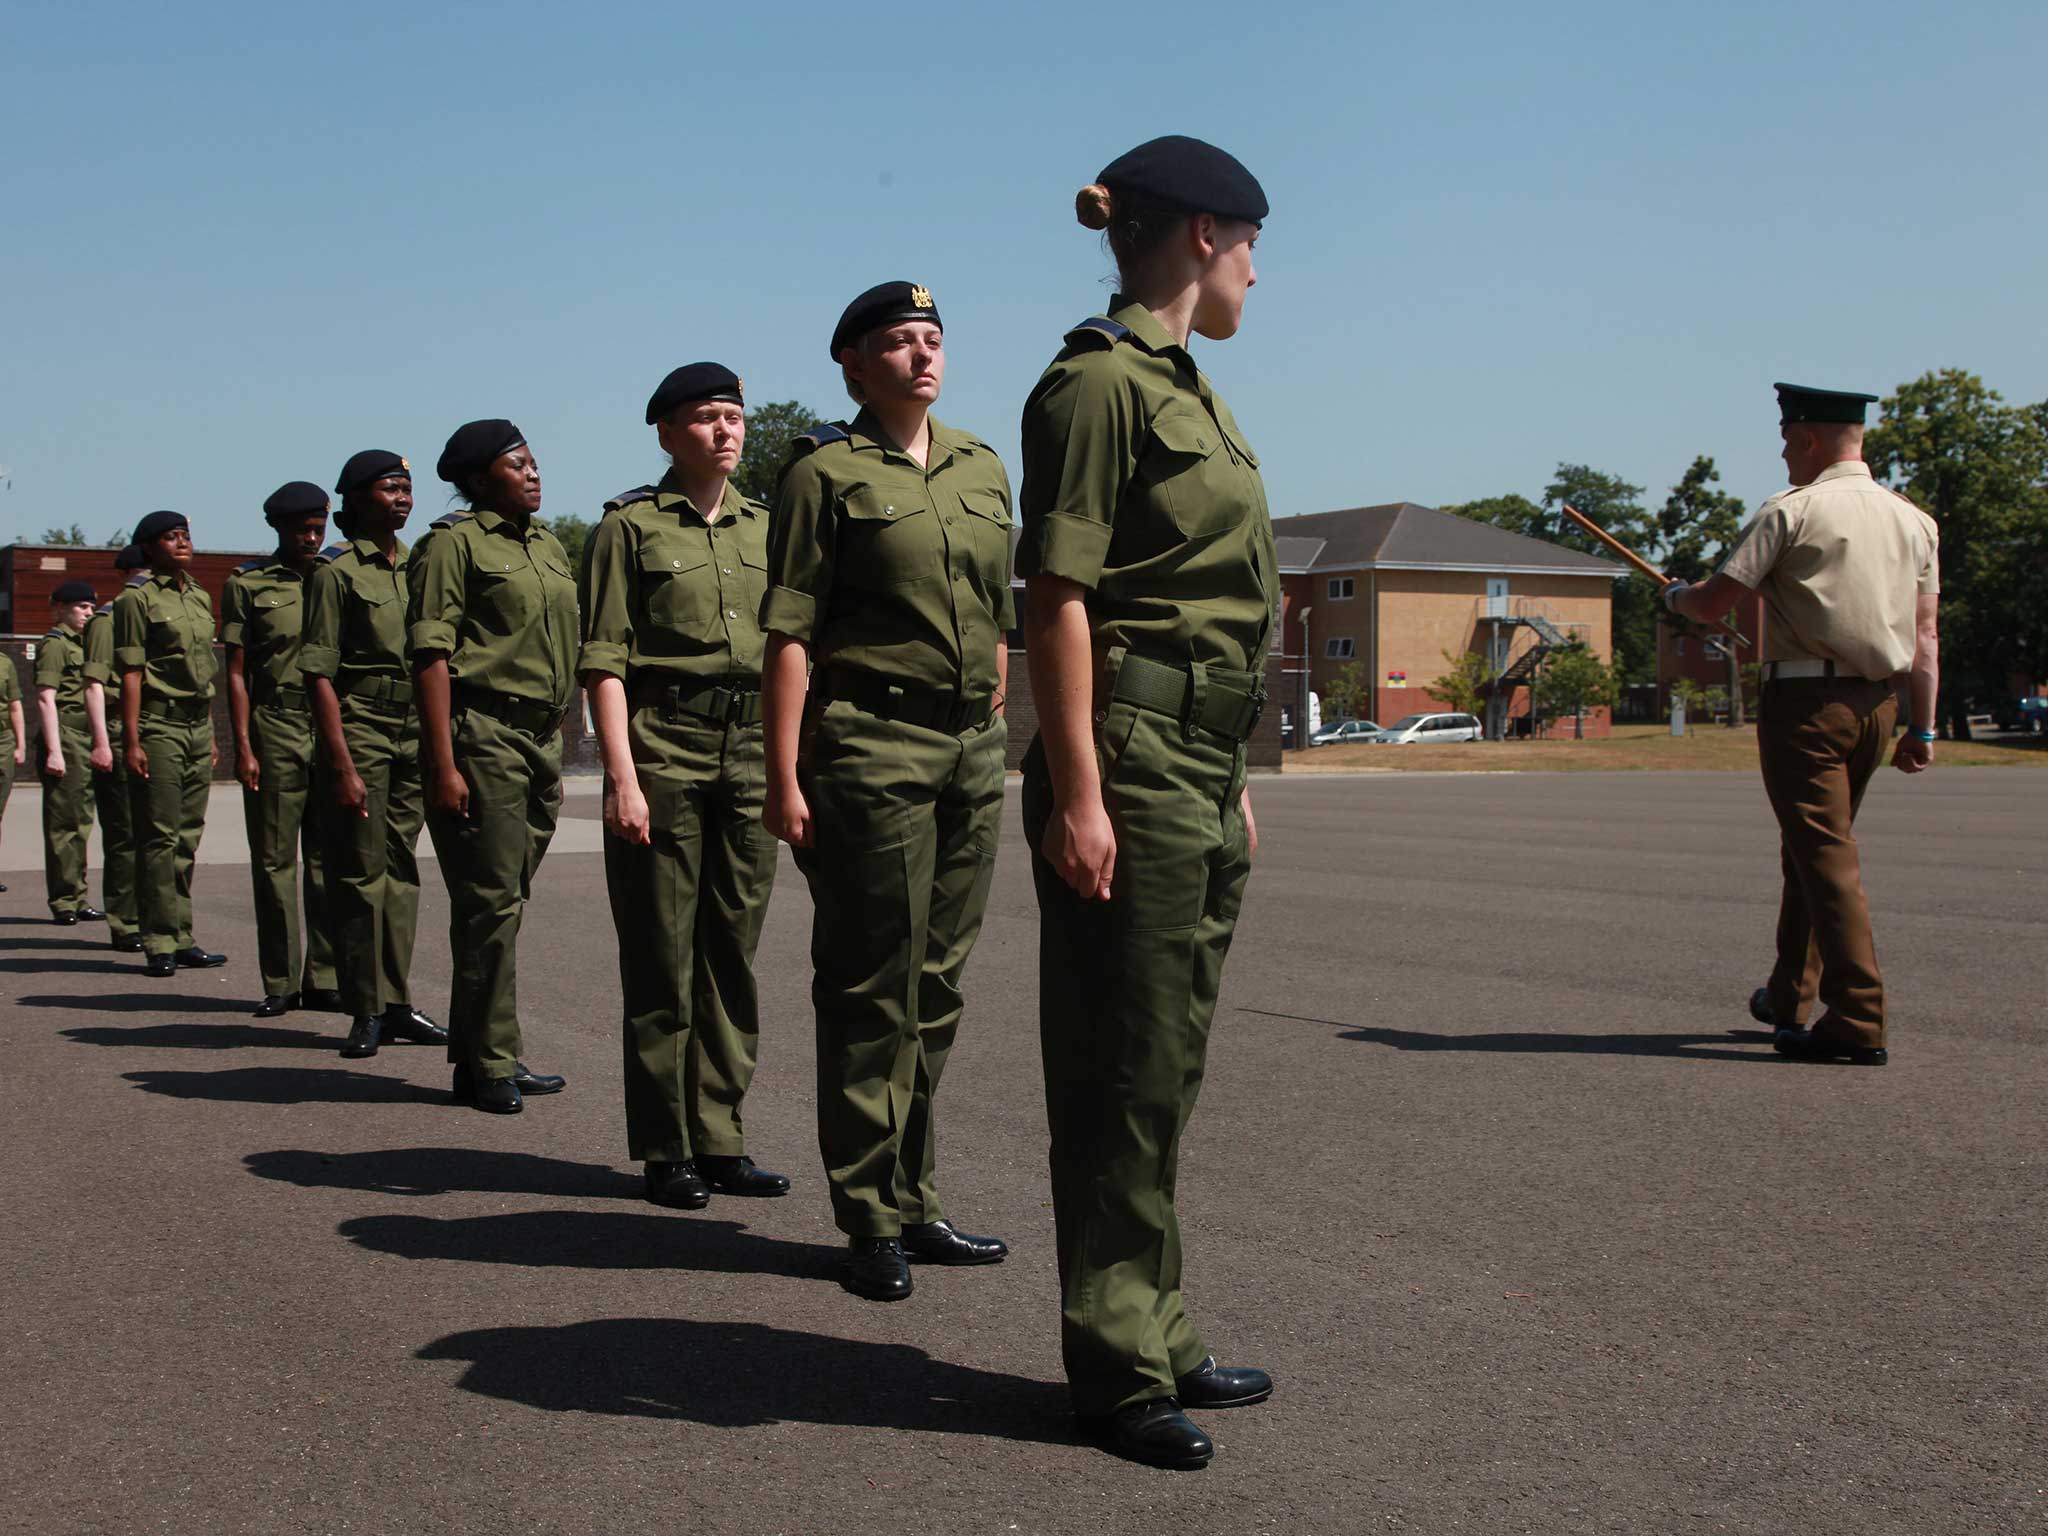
(1258, 709)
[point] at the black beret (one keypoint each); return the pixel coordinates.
(131, 559)
(1187, 173)
(883, 304)
(157, 524)
(472, 447)
(1797, 403)
(295, 498)
(74, 592)
(693, 382)
(369, 465)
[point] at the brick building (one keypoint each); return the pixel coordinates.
(1395, 587)
(1701, 654)
(29, 573)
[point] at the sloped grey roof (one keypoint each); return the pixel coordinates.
(1403, 535)
(1296, 554)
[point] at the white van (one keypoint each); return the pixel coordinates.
(1434, 728)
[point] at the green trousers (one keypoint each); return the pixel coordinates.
(7, 766)
(67, 821)
(372, 866)
(688, 908)
(169, 812)
(488, 859)
(1127, 989)
(905, 823)
(119, 846)
(279, 834)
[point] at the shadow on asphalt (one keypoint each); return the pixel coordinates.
(444, 1170)
(593, 1240)
(13, 943)
(35, 963)
(205, 1037)
(1688, 1047)
(288, 1085)
(138, 1002)
(748, 1375)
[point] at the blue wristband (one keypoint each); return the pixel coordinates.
(1923, 735)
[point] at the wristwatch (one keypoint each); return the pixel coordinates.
(1919, 735)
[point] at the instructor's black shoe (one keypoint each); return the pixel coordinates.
(739, 1176)
(276, 1007)
(402, 1021)
(1157, 1433)
(938, 1242)
(160, 965)
(677, 1185)
(320, 1000)
(530, 1082)
(193, 958)
(127, 943)
(874, 1268)
(1801, 1045)
(1760, 1007)
(1210, 1385)
(364, 1036)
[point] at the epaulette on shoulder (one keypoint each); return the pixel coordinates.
(103, 610)
(252, 565)
(826, 432)
(1099, 331)
(449, 519)
(627, 498)
(331, 552)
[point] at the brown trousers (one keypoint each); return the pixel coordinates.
(1820, 740)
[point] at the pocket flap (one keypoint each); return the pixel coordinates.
(1187, 432)
(988, 504)
(672, 561)
(866, 504)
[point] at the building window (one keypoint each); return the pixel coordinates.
(1340, 648)
(1342, 589)
(1678, 644)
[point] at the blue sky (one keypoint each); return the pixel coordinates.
(245, 241)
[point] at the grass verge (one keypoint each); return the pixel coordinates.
(1702, 748)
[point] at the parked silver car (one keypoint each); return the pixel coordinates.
(1434, 728)
(1345, 730)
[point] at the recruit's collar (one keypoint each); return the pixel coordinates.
(668, 491)
(178, 579)
(1143, 325)
(866, 433)
(493, 521)
(371, 550)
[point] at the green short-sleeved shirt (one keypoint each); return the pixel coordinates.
(453, 519)
(10, 693)
(355, 614)
(263, 610)
(163, 628)
(667, 595)
(1139, 486)
(890, 568)
(60, 665)
(498, 601)
(99, 647)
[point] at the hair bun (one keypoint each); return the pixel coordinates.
(1092, 206)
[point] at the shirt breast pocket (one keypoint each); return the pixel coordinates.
(1191, 472)
(374, 620)
(886, 541)
(166, 631)
(673, 587)
(754, 569)
(989, 526)
(504, 595)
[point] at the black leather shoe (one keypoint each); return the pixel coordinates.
(1210, 1385)
(739, 1176)
(1801, 1045)
(91, 915)
(320, 1000)
(875, 1268)
(495, 1095)
(1157, 1433)
(127, 943)
(402, 1021)
(64, 919)
(1760, 1007)
(678, 1185)
(937, 1242)
(364, 1036)
(194, 958)
(160, 965)
(275, 1007)
(530, 1082)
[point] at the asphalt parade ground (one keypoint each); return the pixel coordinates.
(1491, 1170)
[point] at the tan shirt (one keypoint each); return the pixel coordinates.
(1840, 563)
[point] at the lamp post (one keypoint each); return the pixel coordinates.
(1301, 736)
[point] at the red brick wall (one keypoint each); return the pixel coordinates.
(29, 573)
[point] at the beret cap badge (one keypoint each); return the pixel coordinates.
(921, 296)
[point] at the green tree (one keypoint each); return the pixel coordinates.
(1572, 681)
(1347, 692)
(1517, 514)
(1979, 468)
(574, 532)
(72, 535)
(771, 428)
(1698, 523)
(1465, 685)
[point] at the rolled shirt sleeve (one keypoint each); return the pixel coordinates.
(1930, 570)
(1757, 548)
(99, 649)
(234, 610)
(50, 665)
(607, 597)
(131, 631)
(800, 548)
(320, 637)
(435, 608)
(1081, 433)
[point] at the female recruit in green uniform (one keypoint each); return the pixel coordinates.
(13, 737)
(492, 636)
(889, 554)
(671, 588)
(366, 789)
(1148, 557)
(118, 842)
(163, 647)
